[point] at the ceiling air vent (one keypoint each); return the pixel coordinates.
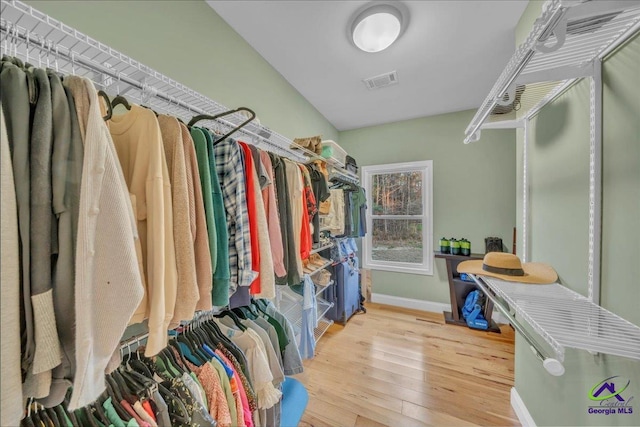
(383, 80)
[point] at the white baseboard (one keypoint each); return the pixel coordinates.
(521, 410)
(416, 304)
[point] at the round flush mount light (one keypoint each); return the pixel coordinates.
(377, 25)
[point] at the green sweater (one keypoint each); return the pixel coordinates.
(219, 293)
(222, 272)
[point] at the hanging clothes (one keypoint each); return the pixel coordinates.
(46, 354)
(137, 138)
(321, 193)
(309, 319)
(219, 294)
(267, 275)
(11, 397)
(273, 219)
(308, 210)
(260, 373)
(231, 176)
(198, 223)
(335, 220)
(295, 187)
(67, 157)
(222, 270)
(286, 222)
(187, 293)
(250, 192)
(17, 94)
(292, 361)
(108, 284)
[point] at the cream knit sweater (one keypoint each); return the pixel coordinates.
(108, 284)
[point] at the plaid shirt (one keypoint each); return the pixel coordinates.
(230, 169)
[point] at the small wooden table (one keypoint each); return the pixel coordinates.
(459, 289)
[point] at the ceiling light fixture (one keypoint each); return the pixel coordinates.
(377, 25)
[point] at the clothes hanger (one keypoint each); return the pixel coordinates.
(215, 328)
(119, 99)
(247, 312)
(44, 416)
(211, 332)
(171, 364)
(113, 389)
(85, 414)
(200, 117)
(183, 360)
(98, 412)
(198, 342)
(53, 417)
(233, 317)
(104, 96)
(139, 366)
(63, 415)
(115, 401)
(121, 385)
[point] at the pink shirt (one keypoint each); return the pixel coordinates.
(246, 411)
(271, 209)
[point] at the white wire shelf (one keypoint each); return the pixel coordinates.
(323, 326)
(322, 248)
(290, 305)
(321, 288)
(562, 46)
(566, 319)
(322, 267)
(44, 41)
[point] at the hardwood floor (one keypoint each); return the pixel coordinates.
(400, 368)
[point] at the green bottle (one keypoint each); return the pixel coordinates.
(455, 246)
(465, 247)
(444, 245)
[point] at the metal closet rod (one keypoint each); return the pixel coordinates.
(39, 43)
(552, 365)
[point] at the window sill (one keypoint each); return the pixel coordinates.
(398, 269)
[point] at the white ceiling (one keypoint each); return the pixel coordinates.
(447, 60)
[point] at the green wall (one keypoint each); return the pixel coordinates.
(189, 42)
(473, 186)
(559, 190)
(559, 186)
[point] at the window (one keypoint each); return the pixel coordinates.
(399, 218)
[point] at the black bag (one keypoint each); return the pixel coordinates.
(351, 165)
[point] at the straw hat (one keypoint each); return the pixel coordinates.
(508, 267)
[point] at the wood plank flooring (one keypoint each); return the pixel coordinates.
(400, 368)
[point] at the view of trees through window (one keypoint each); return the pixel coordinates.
(397, 209)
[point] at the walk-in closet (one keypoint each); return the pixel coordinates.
(300, 213)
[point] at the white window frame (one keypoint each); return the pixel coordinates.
(426, 268)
